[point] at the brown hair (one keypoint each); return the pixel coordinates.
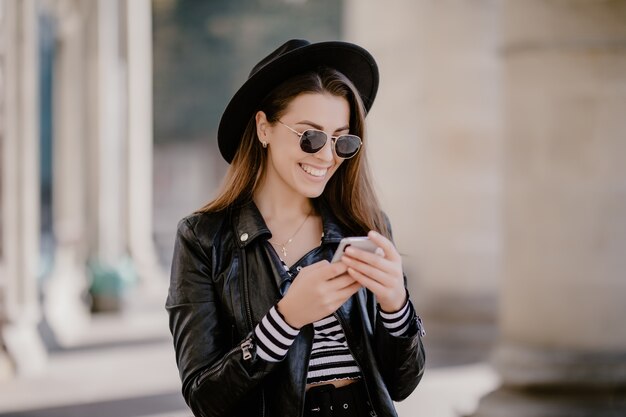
(349, 193)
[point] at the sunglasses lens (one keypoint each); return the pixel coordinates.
(347, 146)
(312, 141)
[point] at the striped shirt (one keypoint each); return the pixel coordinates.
(330, 356)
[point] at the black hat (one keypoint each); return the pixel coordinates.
(294, 57)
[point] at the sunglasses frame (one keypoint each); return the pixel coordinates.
(333, 140)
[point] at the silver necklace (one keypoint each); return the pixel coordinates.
(282, 246)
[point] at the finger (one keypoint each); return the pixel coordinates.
(336, 298)
(334, 269)
(370, 271)
(372, 259)
(341, 282)
(387, 246)
(317, 265)
(324, 270)
(349, 291)
(369, 283)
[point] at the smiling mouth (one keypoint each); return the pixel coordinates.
(316, 172)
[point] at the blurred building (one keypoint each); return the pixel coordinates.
(500, 134)
(76, 146)
(497, 142)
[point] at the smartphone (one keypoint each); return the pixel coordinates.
(361, 242)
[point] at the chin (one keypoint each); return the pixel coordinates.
(312, 193)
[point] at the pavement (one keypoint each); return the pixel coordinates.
(124, 366)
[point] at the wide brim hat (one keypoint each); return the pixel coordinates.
(292, 58)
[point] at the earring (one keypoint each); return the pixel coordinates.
(264, 144)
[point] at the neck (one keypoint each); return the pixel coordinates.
(276, 201)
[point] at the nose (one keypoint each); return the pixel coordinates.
(326, 153)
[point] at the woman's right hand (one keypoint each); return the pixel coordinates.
(317, 292)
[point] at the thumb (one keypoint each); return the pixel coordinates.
(318, 265)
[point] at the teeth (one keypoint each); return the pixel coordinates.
(313, 171)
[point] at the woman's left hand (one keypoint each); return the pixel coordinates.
(382, 275)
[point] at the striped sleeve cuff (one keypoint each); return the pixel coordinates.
(274, 336)
(398, 323)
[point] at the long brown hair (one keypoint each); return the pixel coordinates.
(349, 193)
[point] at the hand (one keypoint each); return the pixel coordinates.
(382, 275)
(318, 291)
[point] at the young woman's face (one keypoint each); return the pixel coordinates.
(287, 164)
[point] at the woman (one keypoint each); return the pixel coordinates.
(263, 324)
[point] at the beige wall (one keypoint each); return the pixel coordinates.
(498, 145)
(435, 142)
(565, 223)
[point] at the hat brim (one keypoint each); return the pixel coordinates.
(351, 60)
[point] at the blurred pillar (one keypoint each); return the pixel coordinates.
(563, 346)
(435, 146)
(65, 307)
(108, 134)
(19, 152)
(140, 139)
(103, 157)
(107, 155)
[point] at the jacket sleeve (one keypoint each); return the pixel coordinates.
(215, 377)
(402, 358)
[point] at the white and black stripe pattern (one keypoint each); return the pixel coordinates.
(398, 323)
(330, 356)
(274, 336)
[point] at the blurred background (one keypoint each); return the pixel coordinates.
(497, 140)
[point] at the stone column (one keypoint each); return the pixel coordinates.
(109, 132)
(563, 346)
(19, 140)
(140, 139)
(107, 155)
(66, 312)
(435, 146)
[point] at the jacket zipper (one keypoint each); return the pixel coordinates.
(246, 293)
(344, 327)
(247, 345)
(308, 362)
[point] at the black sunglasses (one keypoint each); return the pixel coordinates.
(313, 140)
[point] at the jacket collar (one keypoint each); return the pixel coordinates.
(249, 224)
(332, 230)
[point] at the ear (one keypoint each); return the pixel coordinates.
(262, 127)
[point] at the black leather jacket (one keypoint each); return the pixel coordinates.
(223, 282)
